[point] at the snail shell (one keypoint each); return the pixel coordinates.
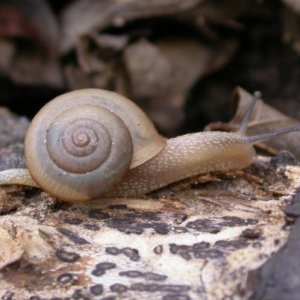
(82, 143)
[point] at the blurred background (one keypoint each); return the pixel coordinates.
(179, 60)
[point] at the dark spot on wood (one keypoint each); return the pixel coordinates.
(154, 276)
(209, 254)
(105, 266)
(126, 224)
(113, 250)
(176, 297)
(173, 288)
(142, 287)
(118, 288)
(232, 221)
(34, 298)
(158, 249)
(118, 206)
(250, 234)
(200, 246)
(101, 268)
(78, 295)
(131, 253)
(232, 245)
(183, 250)
(73, 221)
(98, 272)
(92, 227)
(7, 296)
(204, 225)
(109, 298)
(132, 216)
(146, 275)
(161, 228)
(72, 236)
(147, 225)
(96, 289)
(132, 274)
(65, 256)
(198, 250)
(180, 218)
(22, 266)
(98, 214)
(131, 229)
(66, 278)
(135, 223)
(276, 242)
(151, 216)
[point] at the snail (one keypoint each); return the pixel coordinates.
(92, 143)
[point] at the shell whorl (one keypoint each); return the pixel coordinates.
(78, 146)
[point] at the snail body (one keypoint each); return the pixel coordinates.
(186, 156)
(91, 143)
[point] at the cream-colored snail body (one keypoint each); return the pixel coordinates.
(91, 143)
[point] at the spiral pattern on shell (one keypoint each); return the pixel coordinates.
(77, 152)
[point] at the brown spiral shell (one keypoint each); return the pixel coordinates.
(82, 143)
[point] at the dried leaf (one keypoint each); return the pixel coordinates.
(161, 75)
(264, 119)
(159, 72)
(293, 4)
(94, 14)
(31, 21)
(290, 32)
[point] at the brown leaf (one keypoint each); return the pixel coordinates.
(162, 74)
(30, 23)
(100, 14)
(290, 32)
(293, 4)
(264, 119)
